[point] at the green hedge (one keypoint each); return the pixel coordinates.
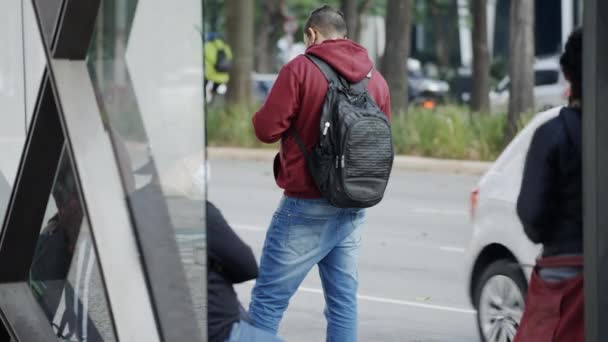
(450, 132)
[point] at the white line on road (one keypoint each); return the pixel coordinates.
(390, 301)
(183, 238)
(433, 211)
(249, 228)
(399, 302)
(452, 249)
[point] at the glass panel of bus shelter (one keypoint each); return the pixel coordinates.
(65, 277)
(146, 65)
(12, 97)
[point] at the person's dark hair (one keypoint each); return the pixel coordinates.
(572, 63)
(328, 21)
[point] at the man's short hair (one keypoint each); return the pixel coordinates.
(328, 21)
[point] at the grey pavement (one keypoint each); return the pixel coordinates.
(412, 271)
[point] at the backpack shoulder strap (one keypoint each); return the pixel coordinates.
(361, 86)
(330, 74)
(294, 133)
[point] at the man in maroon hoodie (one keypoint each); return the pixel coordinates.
(306, 230)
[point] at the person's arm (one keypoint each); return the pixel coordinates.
(382, 93)
(234, 258)
(281, 105)
(228, 51)
(386, 105)
(210, 59)
(535, 205)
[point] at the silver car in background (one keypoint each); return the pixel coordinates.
(550, 87)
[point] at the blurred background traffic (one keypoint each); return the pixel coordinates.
(444, 60)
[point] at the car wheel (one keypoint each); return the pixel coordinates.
(499, 298)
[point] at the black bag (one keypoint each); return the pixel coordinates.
(222, 63)
(352, 162)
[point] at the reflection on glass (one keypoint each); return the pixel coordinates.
(65, 277)
(146, 65)
(33, 58)
(12, 115)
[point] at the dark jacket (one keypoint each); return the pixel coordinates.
(230, 261)
(550, 201)
(296, 99)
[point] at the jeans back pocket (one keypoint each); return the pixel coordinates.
(305, 233)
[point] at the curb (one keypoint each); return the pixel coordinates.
(407, 163)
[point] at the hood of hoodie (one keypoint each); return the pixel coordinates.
(348, 58)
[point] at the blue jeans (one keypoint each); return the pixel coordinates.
(304, 233)
(244, 332)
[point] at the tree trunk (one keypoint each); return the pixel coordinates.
(480, 101)
(394, 62)
(521, 64)
(363, 9)
(351, 14)
(266, 32)
(240, 37)
(442, 47)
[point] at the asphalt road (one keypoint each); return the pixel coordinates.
(412, 272)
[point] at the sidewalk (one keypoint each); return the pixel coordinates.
(401, 162)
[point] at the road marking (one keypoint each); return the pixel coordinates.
(433, 211)
(185, 238)
(399, 302)
(390, 301)
(249, 228)
(452, 249)
(393, 301)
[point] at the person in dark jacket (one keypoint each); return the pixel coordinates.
(306, 230)
(550, 201)
(230, 261)
(550, 209)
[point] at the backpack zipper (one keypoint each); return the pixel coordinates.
(340, 162)
(327, 124)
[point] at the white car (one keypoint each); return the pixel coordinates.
(500, 257)
(550, 88)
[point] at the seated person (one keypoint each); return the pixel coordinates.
(229, 261)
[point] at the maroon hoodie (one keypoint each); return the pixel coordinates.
(296, 99)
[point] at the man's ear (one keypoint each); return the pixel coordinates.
(311, 35)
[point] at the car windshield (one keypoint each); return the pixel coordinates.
(541, 78)
(546, 77)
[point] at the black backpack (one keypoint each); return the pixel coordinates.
(223, 63)
(352, 161)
